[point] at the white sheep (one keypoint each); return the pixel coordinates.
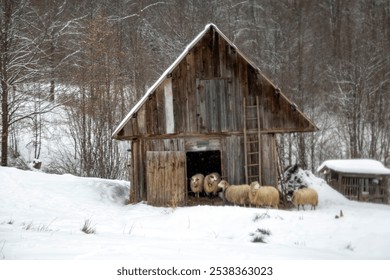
(210, 185)
(304, 196)
(235, 194)
(263, 195)
(196, 184)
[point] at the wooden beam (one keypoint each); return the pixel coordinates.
(260, 146)
(245, 141)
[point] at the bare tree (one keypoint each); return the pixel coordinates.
(19, 57)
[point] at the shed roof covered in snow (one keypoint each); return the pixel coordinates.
(356, 166)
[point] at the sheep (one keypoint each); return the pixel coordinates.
(235, 194)
(263, 195)
(210, 185)
(196, 184)
(304, 196)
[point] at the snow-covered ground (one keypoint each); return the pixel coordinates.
(41, 216)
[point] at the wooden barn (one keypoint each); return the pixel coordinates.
(212, 110)
(358, 179)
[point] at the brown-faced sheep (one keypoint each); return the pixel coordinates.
(211, 183)
(263, 195)
(235, 194)
(196, 184)
(304, 196)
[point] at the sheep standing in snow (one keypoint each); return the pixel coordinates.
(196, 184)
(305, 195)
(210, 185)
(235, 194)
(263, 195)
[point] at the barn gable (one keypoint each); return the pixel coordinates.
(203, 91)
(212, 110)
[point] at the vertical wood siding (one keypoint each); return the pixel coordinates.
(165, 177)
(208, 87)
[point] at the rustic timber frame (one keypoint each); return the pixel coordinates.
(212, 98)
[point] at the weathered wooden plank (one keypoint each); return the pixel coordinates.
(168, 108)
(165, 178)
(210, 105)
(202, 144)
(233, 159)
(201, 105)
(222, 59)
(215, 55)
(207, 56)
(160, 112)
(191, 93)
(141, 169)
(224, 105)
(269, 165)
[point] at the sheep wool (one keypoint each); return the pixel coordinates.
(211, 183)
(235, 194)
(196, 184)
(263, 195)
(305, 196)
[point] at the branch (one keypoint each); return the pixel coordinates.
(30, 115)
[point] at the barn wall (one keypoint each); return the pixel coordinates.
(232, 163)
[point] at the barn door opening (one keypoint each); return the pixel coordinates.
(204, 162)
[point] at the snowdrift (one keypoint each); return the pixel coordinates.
(41, 216)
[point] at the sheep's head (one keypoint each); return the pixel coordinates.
(223, 185)
(196, 179)
(214, 177)
(255, 185)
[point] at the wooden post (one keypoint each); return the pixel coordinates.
(275, 154)
(245, 142)
(260, 146)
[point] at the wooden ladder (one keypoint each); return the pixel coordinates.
(252, 141)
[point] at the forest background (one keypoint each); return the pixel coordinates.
(92, 60)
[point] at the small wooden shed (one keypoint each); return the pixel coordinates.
(212, 110)
(358, 179)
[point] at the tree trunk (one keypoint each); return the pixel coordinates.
(5, 23)
(4, 124)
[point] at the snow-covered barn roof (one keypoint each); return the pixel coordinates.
(356, 166)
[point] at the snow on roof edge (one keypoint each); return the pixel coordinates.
(360, 166)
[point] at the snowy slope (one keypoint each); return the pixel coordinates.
(41, 216)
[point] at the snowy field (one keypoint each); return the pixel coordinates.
(41, 217)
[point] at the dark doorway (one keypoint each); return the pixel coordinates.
(204, 162)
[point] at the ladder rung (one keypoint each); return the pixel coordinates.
(251, 119)
(253, 164)
(253, 153)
